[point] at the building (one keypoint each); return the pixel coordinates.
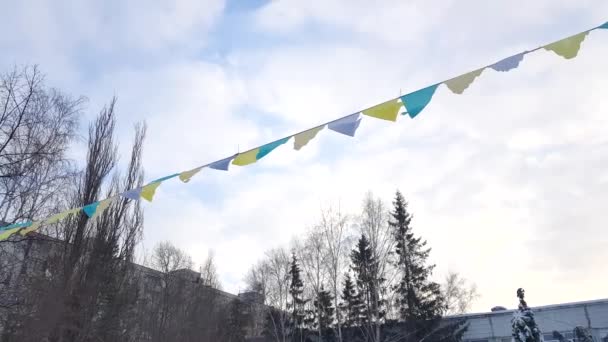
(495, 326)
(25, 258)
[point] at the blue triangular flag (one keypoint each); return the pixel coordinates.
(221, 164)
(264, 150)
(132, 194)
(604, 26)
(16, 225)
(347, 125)
(165, 178)
(508, 63)
(415, 102)
(90, 209)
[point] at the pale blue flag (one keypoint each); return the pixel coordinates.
(347, 125)
(132, 194)
(221, 164)
(508, 63)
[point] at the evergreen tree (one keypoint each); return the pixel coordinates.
(365, 266)
(296, 288)
(524, 327)
(351, 303)
(420, 300)
(325, 319)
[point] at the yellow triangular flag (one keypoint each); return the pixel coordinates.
(301, 139)
(148, 191)
(567, 48)
(6, 233)
(246, 158)
(186, 175)
(458, 84)
(58, 217)
(31, 228)
(388, 110)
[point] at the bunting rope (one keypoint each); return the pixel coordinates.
(413, 104)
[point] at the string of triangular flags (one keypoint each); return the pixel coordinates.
(413, 103)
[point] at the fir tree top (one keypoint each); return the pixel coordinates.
(524, 327)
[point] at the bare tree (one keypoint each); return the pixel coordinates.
(270, 278)
(170, 261)
(83, 289)
(333, 226)
(458, 293)
(37, 125)
(209, 276)
(313, 256)
(168, 258)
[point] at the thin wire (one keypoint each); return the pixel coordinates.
(437, 83)
(361, 111)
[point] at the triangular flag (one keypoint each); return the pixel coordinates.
(508, 63)
(162, 179)
(385, 111)
(102, 206)
(31, 228)
(90, 209)
(222, 165)
(94, 209)
(5, 234)
(246, 158)
(16, 225)
(415, 102)
(186, 175)
(132, 194)
(347, 125)
(458, 84)
(148, 191)
(58, 217)
(301, 139)
(567, 48)
(265, 149)
(604, 26)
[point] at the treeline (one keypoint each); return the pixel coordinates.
(359, 278)
(77, 281)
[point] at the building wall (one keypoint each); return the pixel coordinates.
(28, 256)
(496, 326)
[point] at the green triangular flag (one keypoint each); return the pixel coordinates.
(568, 47)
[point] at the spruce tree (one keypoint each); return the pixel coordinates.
(365, 267)
(419, 299)
(324, 320)
(351, 303)
(296, 288)
(524, 327)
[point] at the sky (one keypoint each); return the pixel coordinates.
(507, 182)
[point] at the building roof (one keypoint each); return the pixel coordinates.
(557, 317)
